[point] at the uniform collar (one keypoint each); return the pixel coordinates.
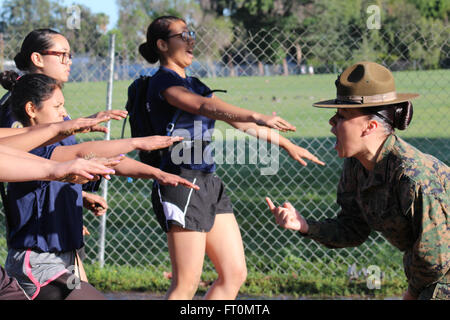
(380, 173)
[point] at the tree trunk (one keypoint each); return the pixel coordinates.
(260, 68)
(231, 66)
(285, 67)
(299, 54)
(211, 67)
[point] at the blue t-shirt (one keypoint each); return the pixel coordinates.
(45, 215)
(188, 125)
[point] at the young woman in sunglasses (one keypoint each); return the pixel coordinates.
(202, 221)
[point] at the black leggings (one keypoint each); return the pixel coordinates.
(59, 289)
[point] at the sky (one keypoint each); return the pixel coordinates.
(97, 6)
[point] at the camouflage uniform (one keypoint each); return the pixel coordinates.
(406, 198)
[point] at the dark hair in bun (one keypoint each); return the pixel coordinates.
(158, 29)
(8, 79)
(396, 116)
(36, 41)
(35, 88)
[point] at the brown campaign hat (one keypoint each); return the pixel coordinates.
(365, 84)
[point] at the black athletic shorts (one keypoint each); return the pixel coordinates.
(188, 208)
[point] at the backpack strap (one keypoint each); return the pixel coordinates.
(5, 98)
(169, 130)
(171, 125)
(3, 104)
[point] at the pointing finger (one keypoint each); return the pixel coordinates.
(270, 203)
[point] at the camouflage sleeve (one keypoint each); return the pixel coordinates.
(348, 229)
(429, 260)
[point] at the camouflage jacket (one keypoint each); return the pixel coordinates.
(406, 198)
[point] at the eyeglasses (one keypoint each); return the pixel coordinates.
(64, 56)
(185, 35)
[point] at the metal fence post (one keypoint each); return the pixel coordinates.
(109, 91)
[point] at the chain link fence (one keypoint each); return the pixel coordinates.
(269, 71)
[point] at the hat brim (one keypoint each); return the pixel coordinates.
(401, 97)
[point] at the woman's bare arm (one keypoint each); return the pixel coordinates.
(217, 109)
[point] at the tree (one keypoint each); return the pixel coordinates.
(22, 16)
(136, 15)
(267, 25)
(214, 34)
(87, 39)
(435, 9)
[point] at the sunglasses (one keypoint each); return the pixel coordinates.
(185, 35)
(63, 56)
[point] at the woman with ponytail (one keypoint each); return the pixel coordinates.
(199, 222)
(386, 185)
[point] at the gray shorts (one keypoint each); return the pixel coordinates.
(34, 270)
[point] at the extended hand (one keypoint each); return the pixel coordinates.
(297, 153)
(94, 203)
(287, 217)
(168, 179)
(113, 114)
(275, 122)
(155, 142)
(80, 171)
(81, 125)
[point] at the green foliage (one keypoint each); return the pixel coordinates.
(436, 9)
(413, 33)
(411, 30)
(90, 38)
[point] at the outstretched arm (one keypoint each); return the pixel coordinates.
(271, 136)
(113, 114)
(20, 167)
(346, 230)
(128, 167)
(110, 148)
(36, 136)
(218, 109)
(136, 169)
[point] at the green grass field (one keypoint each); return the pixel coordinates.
(135, 239)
